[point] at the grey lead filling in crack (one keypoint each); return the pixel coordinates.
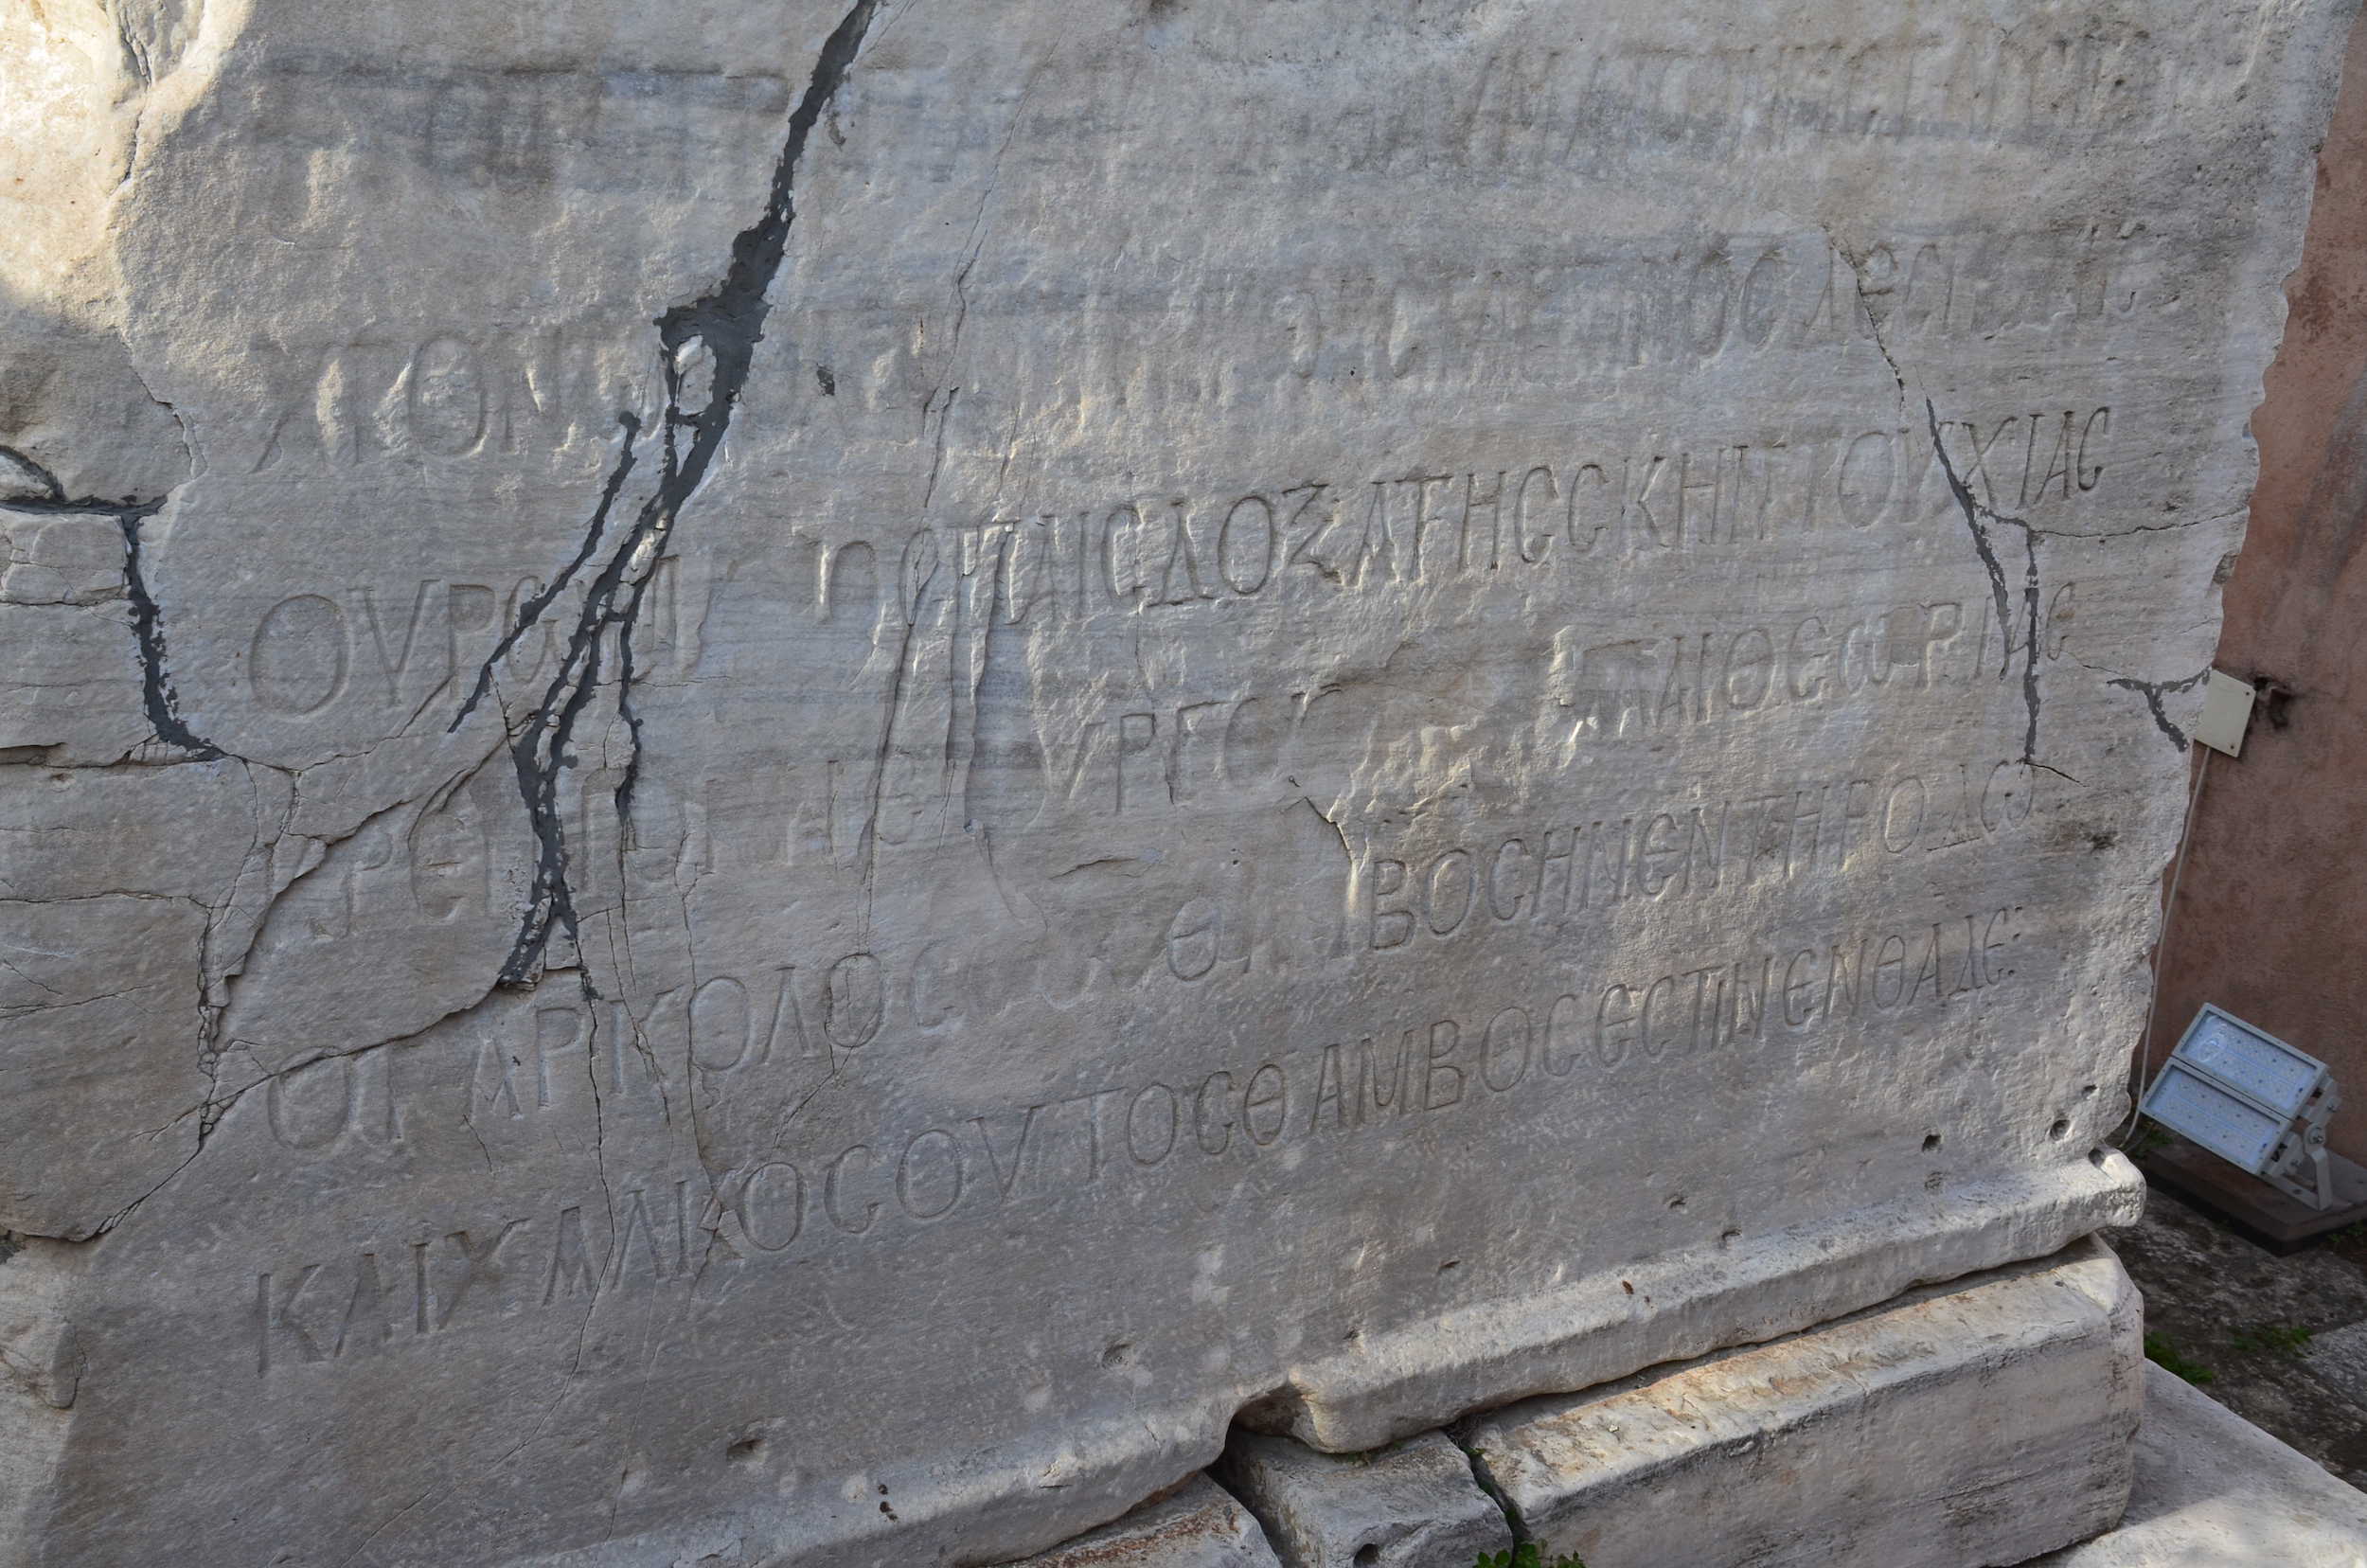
(1974, 512)
(722, 325)
(2153, 691)
(163, 705)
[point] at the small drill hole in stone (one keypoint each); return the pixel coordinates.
(1930, 1143)
(2096, 1157)
(1450, 1265)
(746, 1452)
(1367, 1556)
(1118, 1354)
(1675, 1203)
(2062, 1125)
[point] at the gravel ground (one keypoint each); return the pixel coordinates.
(2280, 1340)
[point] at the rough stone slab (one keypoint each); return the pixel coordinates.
(845, 745)
(2338, 1357)
(1413, 1504)
(1962, 1426)
(1198, 1526)
(2213, 1491)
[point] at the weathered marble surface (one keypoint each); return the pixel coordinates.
(1199, 1525)
(1976, 1423)
(784, 782)
(1413, 1504)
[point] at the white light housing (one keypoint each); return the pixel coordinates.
(2251, 1099)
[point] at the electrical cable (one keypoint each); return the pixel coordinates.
(2138, 1068)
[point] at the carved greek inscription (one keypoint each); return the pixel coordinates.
(406, 1289)
(443, 397)
(1638, 687)
(393, 1296)
(513, 130)
(435, 868)
(725, 1028)
(1188, 753)
(727, 1036)
(1533, 110)
(1683, 1010)
(312, 1107)
(1374, 1078)
(1654, 305)
(392, 646)
(2041, 457)
(729, 1032)
(1190, 749)
(1714, 851)
(1533, 516)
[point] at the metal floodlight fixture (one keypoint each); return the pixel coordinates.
(2251, 1099)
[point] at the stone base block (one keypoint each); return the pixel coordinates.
(2215, 1491)
(1962, 1426)
(1197, 1525)
(1413, 1504)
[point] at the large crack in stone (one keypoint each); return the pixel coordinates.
(1975, 512)
(712, 338)
(131, 514)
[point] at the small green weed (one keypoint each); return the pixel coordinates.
(2160, 1351)
(1524, 1556)
(2266, 1339)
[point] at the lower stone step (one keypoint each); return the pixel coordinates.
(1966, 1425)
(2215, 1491)
(1950, 1428)
(1412, 1505)
(1197, 1524)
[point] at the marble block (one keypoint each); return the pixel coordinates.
(791, 781)
(1413, 1504)
(1962, 1426)
(1198, 1526)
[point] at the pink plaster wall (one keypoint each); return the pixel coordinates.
(2269, 920)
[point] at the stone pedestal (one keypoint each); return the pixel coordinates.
(1957, 1426)
(1961, 1426)
(1951, 1428)
(795, 781)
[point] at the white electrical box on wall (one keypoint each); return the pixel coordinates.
(2226, 712)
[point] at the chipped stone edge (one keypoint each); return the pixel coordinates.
(2085, 1265)
(1609, 1325)
(2089, 1267)
(1410, 1380)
